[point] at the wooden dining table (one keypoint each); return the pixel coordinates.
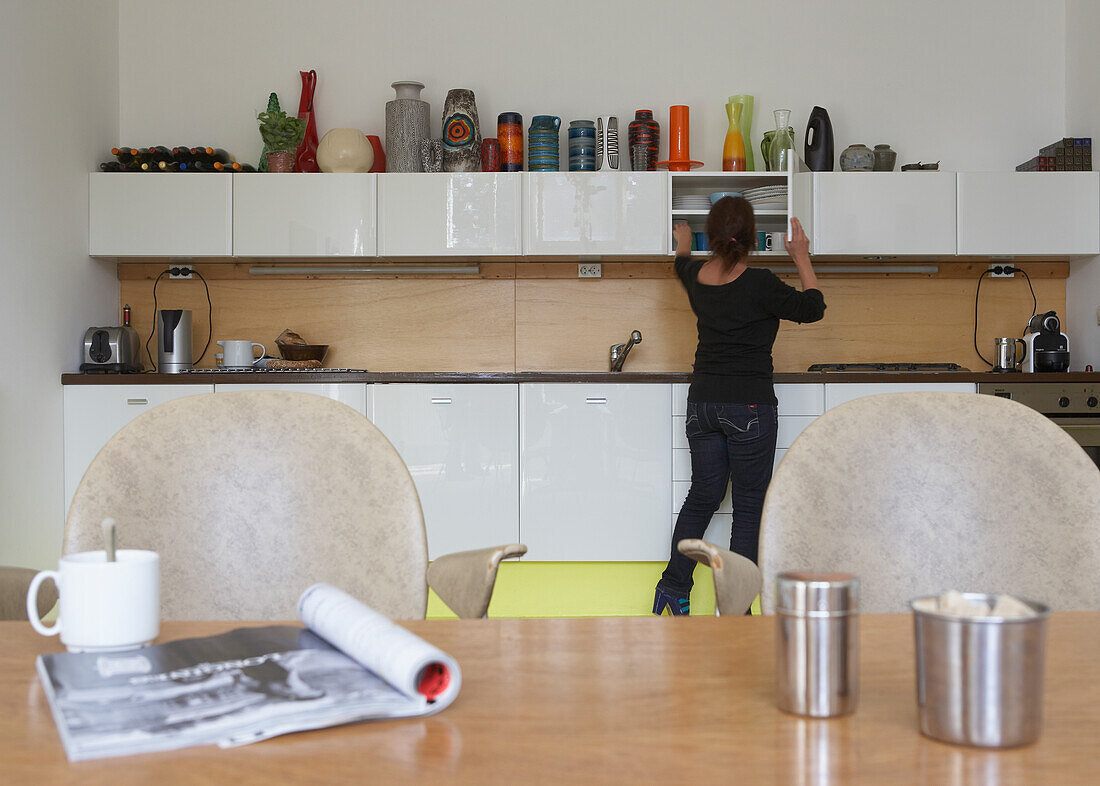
(605, 700)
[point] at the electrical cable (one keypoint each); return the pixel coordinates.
(153, 328)
(976, 293)
(1034, 302)
(209, 315)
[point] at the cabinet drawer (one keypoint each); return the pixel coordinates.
(355, 394)
(836, 394)
(135, 214)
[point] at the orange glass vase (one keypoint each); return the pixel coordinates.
(679, 141)
(733, 151)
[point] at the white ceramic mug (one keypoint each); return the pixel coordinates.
(104, 606)
(238, 354)
(776, 241)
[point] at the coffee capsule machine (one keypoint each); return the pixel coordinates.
(1047, 345)
(173, 340)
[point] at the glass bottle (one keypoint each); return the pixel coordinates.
(733, 151)
(779, 151)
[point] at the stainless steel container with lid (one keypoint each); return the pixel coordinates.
(980, 679)
(817, 643)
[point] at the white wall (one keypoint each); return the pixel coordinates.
(60, 104)
(1083, 119)
(977, 84)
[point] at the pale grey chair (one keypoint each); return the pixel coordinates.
(737, 579)
(919, 493)
(251, 497)
(14, 583)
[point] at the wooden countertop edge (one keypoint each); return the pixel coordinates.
(637, 377)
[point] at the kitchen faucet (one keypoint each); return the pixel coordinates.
(620, 351)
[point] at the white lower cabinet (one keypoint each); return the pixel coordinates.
(355, 394)
(93, 413)
(461, 445)
(595, 470)
(841, 392)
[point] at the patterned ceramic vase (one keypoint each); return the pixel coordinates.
(461, 133)
(407, 126)
(857, 158)
(431, 155)
(644, 130)
(542, 143)
(510, 134)
(885, 158)
(582, 146)
(607, 143)
(490, 155)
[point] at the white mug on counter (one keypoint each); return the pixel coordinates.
(104, 606)
(238, 354)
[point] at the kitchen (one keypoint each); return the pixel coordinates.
(510, 334)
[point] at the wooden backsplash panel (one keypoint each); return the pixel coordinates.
(561, 324)
(376, 324)
(569, 325)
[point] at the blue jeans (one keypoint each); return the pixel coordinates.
(730, 444)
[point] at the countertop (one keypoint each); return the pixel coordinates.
(626, 377)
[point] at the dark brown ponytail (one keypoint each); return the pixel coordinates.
(731, 230)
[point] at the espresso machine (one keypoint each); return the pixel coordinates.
(1047, 345)
(173, 340)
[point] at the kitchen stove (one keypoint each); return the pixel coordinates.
(886, 368)
(273, 371)
(1073, 406)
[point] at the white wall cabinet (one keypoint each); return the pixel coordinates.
(1022, 213)
(356, 395)
(595, 470)
(596, 213)
(887, 213)
(461, 445)
(304, 215)
(137, 214)
(472, 214)
(93, 413)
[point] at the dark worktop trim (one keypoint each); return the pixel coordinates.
(602, 378)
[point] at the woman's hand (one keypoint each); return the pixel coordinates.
(682, 233)
(798, 245)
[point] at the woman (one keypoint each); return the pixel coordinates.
(731, 409)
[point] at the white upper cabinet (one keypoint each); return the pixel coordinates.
(303, 215)
(473, 213)
(1021, 213)
(890, 213)
(137, 214)
(596, 213)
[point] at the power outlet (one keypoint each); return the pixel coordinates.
(589, 270)
(1000, 275)
(180, 275)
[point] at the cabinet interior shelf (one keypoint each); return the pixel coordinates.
(707, 212)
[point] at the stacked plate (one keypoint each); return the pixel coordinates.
(767, 197)
(691, 202)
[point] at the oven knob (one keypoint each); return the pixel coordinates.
(1063, 402)
(1090, 401)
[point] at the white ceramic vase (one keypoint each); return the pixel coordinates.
(345, 150)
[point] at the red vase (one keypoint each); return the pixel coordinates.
(305, 160)
(379, 164)
(644, 130)
(490, 155)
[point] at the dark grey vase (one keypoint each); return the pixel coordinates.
(408, 121)
(461, 133)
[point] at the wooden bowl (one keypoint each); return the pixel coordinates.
(303, 351)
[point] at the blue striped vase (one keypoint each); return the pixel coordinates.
(542, 144)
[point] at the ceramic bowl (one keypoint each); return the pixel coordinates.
(345, 150)
(303, 351)
(719, 194)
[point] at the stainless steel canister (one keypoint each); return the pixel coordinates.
(817, 643)
(980, 679)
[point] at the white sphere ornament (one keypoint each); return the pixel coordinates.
(345, 150)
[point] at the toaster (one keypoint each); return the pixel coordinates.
(111, 350)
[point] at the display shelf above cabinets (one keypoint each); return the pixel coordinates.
(137, 214)
(304, 215)
(450, 214)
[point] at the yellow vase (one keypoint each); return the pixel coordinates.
(733, 152)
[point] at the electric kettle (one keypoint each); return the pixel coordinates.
(173, 340)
